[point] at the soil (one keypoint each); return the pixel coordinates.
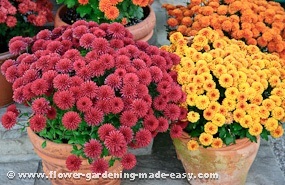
(72, 16)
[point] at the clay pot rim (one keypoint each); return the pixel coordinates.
(240, 143)
(4, 56)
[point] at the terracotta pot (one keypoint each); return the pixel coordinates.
(142, 31)
(230, 163)
(6, 92)
(53, 159)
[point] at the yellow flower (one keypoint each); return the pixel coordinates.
(207, 76)
(192, 145)
(208, 114)
(206, 139)
(258, 87)
(269, 104)
(197, 56)
(190, 88)
(207, 56)
(241, 97)
(203, 69)
(198, 80)
(200, 90)
(263, 112)
(252, 109)
(210, 128)
(271, 124)
(200, 40)
(183, 78)
(264, 82)
(217, 143)
(229, 118)
(190, 99)
(278, 113)
(189, 52)
(246, 121)
(229, 104)
(202, 102)
(219, 70)
(187, 63)
(223, 111)
(257, 100)
(226, 80)
(219, 43)
(242, 77)
(250, 93)
(193, 117)
(175, 37)
(231, 93)
(209, 85)
(255, 129)
(277, 99)
(278, 92)
(219, 119)
(242, 105)
(214, 106)
(274, 81)
(213, 95)
(278, 132)
(238, 114)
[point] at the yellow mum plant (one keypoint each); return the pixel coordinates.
(233, 90)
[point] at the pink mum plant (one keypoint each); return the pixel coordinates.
(94, 87)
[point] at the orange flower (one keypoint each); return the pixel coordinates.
(207, 10)
(177, 12)
(115, 2)
(246, 25)
(187, 21)
(188, 13)
(235, 7)
(279, 46)
(267, 36)
(222, 10)
(124, 21)
(271, 46)
(255, 32)
(217, 143)
(182, 29)
(247, 33)
(251, 41)
(112, 13)
(204, 21)
(141, 3)
(172, 22)
(227, 25)
(196, 26)
(104, 5)
(261, 42)
(260, 26)
(83, 2)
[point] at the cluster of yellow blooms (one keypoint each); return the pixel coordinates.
(228, 81)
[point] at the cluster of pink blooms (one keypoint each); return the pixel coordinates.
(115, 75)
(36, 12)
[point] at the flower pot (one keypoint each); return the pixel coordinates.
(230, 163)
(53, 159)
(142, 31)
(6, 92)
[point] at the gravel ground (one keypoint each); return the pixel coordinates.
(278, 147)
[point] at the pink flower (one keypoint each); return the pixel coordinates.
(175, 131)
(73, 163)
(86, 40)
(139, 64)
(76, 81)
(6, 65)
(174, 58)
(67, 35)
(100, 45)
(18, 83)
(113, 81)
(11, 74)
(172, 111)
(131, 79)
(163, 87)
(97, 68)
(116, 143)
(93, 148)
(22, 68)
(18, 95)
(43, 63)
(72, 54)
(39, 87)
(104, 130)
(162, 124)
(89, 89)
(38, 122)
(13, 109)
(105, 92)
(122, 61)
(76, 91)
(117, 30)
(183, 113)
(9, 119)
(143, 56)
(63, 99)
(51, 114)
(182, 124)
(143, 138)
(64, 65)
(107, 61)
(156, 73)
(142, 90)
(78, 64)
(152, 50)
(159, 103)
(129, 161)
(28, 59)
(140, 107)
(17, 47)
(79, 31)
(55, 47)
(71, 120)
(99, 166)
(150, 123)
(27, 92)
(128, 91)
(159, 61)
(30, 76)
(84, 104)
(120, 72)
(166, 77)
(128, 118)
(85, 73)
(94, 116)
(103, 105)
(44, 34)
(142, 45)
(98, 32)
(144, 76)
(116, 105)
(116, 43)
(40, 106)
(127, 132)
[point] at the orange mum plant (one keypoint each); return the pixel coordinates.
(233, 90)
(256, 22)
(108, 11)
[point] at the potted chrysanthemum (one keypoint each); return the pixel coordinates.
(94, 92)
(19, 18)
(235, 95)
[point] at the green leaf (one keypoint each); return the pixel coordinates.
(83, 10)
(111, 162)
(105, 152)
(59, 1)
(44, 144)
(229, 140)
(70, 3)
(222, 132)
(264, 134)
(250, 137)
